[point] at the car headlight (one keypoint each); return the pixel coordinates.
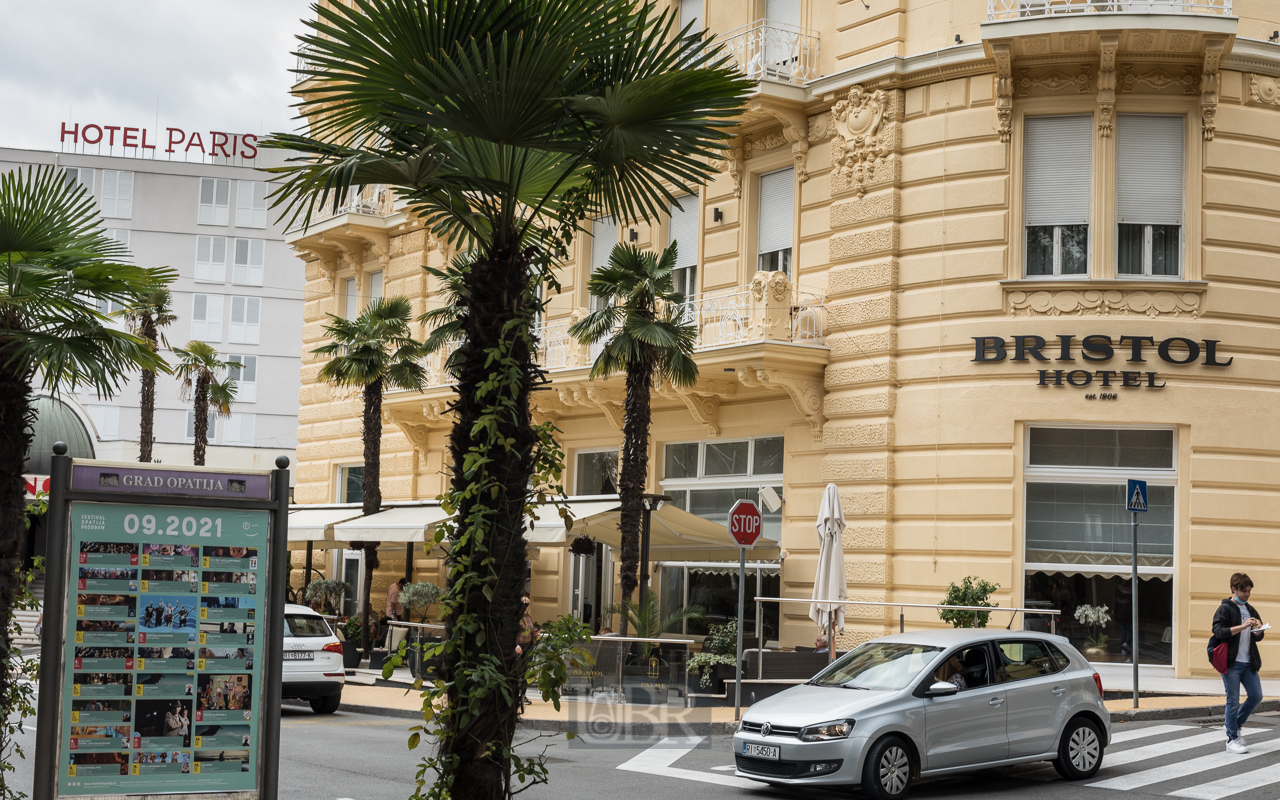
(827, 730)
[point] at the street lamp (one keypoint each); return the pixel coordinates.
(652, 502)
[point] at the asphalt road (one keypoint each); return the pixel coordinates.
(358, 757)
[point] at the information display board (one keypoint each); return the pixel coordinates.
(162, 670)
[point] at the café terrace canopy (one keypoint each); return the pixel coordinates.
(407, 523)
(673, 532)
(315, 525)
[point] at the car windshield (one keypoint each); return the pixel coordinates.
(305, 625)
(882, 666)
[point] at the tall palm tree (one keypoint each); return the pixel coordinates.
(199, 367)
(503, 124)
(147, 316)
(374, 352)
(648, 336)
(56, 270)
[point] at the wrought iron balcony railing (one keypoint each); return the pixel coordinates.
(1021, 9)
(774, 51)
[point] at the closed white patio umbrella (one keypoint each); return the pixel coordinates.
(829, 586)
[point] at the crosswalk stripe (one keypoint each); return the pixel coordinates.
(1234, 784)
(1162, 749)
(1169, 772)
(1143, 733)
(657, 760)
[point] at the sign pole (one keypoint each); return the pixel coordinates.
(1133, 626)
(273, 647)
(49, 710)
(737, 688)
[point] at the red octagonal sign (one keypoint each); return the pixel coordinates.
(744, 522)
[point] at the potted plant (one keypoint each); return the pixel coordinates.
(714, 664)
(1096, 617)
(351, 642)
(418, 597)
(327, 592)
(972, 591)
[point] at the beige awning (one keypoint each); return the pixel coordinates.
(397, 524)
(315, 525)
(548, 527)
(673, 534)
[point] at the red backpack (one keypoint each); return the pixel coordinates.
(1218, 657)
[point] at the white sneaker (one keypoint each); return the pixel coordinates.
(1236, 746)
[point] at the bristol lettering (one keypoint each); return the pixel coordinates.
(1095, 348)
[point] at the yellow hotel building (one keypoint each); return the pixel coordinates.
(975, 263)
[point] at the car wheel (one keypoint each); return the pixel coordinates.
(326, 705)
(1079, 750)
(886, 775)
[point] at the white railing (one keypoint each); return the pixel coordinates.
(374, 200)
(808, 316)
(774, 51)
(1019, 9)
(437, 364)
(721, 320)
(304, 63)
(555, 346)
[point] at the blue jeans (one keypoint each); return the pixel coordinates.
(1237, 715)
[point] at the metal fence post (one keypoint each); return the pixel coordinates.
(49, 711)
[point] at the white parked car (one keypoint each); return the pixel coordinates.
(931, 703)
(313, 668)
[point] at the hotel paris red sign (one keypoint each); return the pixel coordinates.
(213, 143)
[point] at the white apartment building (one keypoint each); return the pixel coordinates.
(238, 288)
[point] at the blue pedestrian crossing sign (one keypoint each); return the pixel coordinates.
(1136, 493)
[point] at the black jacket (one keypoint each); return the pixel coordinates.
(1224, 619)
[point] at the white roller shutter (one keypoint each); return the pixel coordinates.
(604, 235)
(777, 202)
(682, 229)
(691, 12)
(1057, 170)
(1149, 169)
(785, 11)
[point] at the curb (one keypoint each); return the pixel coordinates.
(645, 730)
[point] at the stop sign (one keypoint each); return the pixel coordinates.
(744, 522)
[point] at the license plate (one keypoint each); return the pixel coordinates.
(761, 751)
(299, 655)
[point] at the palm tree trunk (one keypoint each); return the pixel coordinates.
(497, 287)
(146, 428)
(634, 472)
(17, 421)
(370, 495)
(202, 420)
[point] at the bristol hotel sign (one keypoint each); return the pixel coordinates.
(1097, 361)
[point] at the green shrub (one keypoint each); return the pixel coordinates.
(972, 591)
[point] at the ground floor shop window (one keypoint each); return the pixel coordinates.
(714, 587)
(1113, 639)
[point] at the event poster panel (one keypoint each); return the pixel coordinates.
(162, 671)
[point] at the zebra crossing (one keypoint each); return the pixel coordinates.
(1137, 760)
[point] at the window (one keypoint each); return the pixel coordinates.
(248, 262)
(1149, 170)
(967, 668)
(375, 286)
(251, 204)
(206, 317)
(215, 201)
(604, 237)
(238, 430)
(1057, 181)
(122, 236)
(682, 231)
(117, 193)
(714, 587)
(351, 484)
(707, 478)
(245, 374)
(211, 259)
(773, 239)
(1078, 537)
(106, 419)
(246, 314)
(691, 15)
(597, 472)
(1023, 659)
(350, 309)
(82, 176)
(210, 436)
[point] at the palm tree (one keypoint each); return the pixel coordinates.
(56, 270)
(648, 336)
(374, 352)
(199, 368)
(503, 124)
(147, 316)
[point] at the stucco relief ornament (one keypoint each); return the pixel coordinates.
(1264, 89)
(858, 144)
(1093, 302)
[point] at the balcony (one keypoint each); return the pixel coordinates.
(374, 200)
(1023, 9)
(775, 51)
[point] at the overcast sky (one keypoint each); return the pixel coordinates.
(202, 66)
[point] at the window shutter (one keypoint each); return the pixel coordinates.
(691, 12)
(199, 310)
(110, 178)
(207, 192)
(236, 334)
(683, 230)
(1149, 170)
(124, 195)
(222, 202)
(246, 435)
(213, 319)
(252, 319)
(777, 200)
(351, 310)
(604, 236)
(259, 204)
(248, 262)
(244, 203)
(375, 286)
(231, 429)
(785, 11)
(1058, 170)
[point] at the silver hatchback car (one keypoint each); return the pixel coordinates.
(923, 704)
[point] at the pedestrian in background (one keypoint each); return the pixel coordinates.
(395, 610)
(1237, 624)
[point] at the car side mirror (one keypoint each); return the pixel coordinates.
(942, 689)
